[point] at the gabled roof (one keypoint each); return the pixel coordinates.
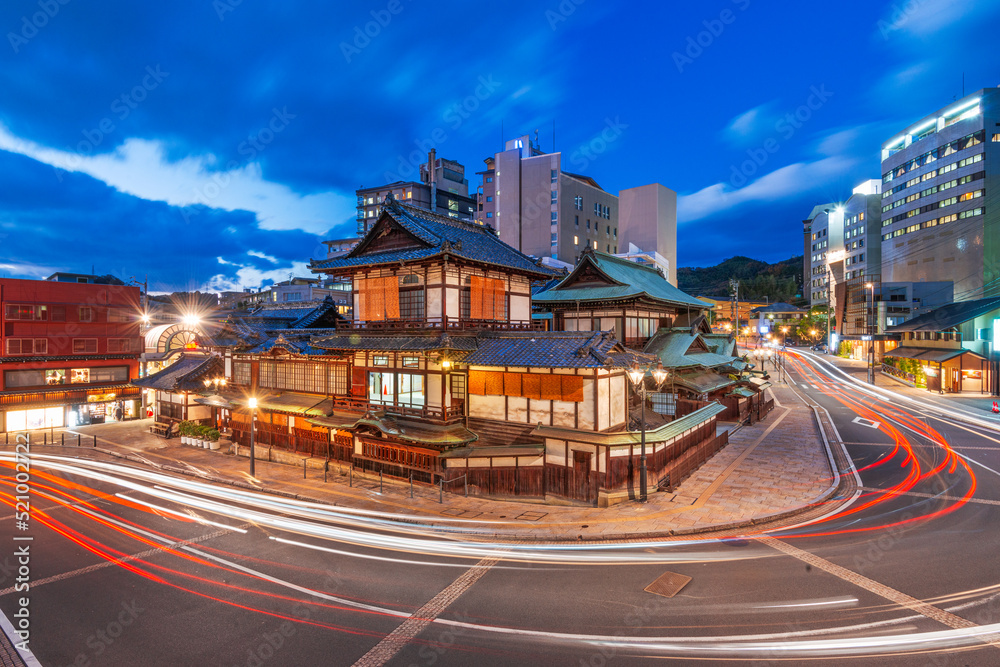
(948, 317)
(680, 348)
(430, 235)
(186, 374)
(602, 277)
(552, 349)
(261, 327)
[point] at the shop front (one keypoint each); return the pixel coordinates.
(104, 409)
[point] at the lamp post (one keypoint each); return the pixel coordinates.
(871, 335)
(638, 377)
(252, 404)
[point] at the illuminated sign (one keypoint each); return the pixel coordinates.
(193, 345)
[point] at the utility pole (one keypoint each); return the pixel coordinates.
(734, 289)
(829, 309)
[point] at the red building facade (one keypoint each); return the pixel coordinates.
(67, 353)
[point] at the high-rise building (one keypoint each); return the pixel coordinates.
(441, 181)
(648, 220)
(936, 173)
(542, 210)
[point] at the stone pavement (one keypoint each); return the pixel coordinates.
(773, 470)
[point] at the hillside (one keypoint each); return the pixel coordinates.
(778, 282)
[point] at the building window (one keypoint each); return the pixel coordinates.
(489, 197)
(411, 297)
(576, 221)
(119, 315)
(576, 240)
(411, 362)
(553, 175)
(84, 346)
(241, 373)
(616, 233)
(555, 216)
(457, 386)
(489, 214)
(380, 360)
(119, 345)
(555, 194)
(588, 223)
(595, 245)
(26, 312)
(27, 346)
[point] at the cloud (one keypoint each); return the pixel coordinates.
(925, 17)
(250, 276)
(21, 269)
(749, 124)
(140, 168)
(257, 253)
(797, 178)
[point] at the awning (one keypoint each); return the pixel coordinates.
(759, 384)
(743, 392)
(933, 354)
(291, 402)
(441, 435)
(702, 383)
(215, 402)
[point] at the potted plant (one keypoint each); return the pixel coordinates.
(213, 439)
(200, 439)
(185, 431)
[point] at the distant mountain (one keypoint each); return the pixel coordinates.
(778, 282)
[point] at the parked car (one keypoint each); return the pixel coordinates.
(819, 347)
(789, 343)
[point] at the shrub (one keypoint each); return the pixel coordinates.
(213, 434)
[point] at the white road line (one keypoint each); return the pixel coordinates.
(872, 586)
(935, 496)
(396, 640)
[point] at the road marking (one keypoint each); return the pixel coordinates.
(394, 642)
(866, 422)
(889, 492)
(118, 561)
(872, 586)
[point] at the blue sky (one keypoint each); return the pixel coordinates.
(215, 144)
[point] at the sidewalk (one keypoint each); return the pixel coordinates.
(979, 405)
(772, 470)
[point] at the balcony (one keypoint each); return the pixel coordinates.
(442, 324)
(442, 415)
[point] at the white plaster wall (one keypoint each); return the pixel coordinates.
(520, 307)
(564, 414)
(587, 407)
(603, 405)
(618, 400)
(555, 452)
(539, 412)
(517, 409)
(433, 390)
(486, 407)
(435, 298)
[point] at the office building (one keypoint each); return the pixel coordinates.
(441, 181)
(542, 210)
(648, 220)
(936, 173)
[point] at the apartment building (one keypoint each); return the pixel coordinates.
(936, 173)
(442, 182)
(67, 353)
(542, 210)
(648, 221)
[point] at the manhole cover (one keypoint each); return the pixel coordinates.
(668, 584)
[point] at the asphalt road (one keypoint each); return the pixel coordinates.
(129, 567)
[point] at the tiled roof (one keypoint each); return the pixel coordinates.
(185, 374)
(362, 340)
(260, 329)
(702, 382)
(552, 349)
(676, 348)
(627, 280)
(949, 316)
(440, 235)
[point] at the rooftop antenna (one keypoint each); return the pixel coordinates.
(536, 139)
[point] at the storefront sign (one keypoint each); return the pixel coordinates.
(101, 398)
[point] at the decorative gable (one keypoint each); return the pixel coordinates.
(385, 236)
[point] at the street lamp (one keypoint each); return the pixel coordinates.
(638, 377)
(252, 404)
(871, 335)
